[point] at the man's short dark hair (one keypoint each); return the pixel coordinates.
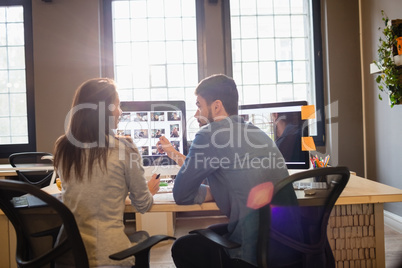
(220, 87)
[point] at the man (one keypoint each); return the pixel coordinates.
(233, 157)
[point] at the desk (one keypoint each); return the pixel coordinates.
(6, 170)
(355, 229)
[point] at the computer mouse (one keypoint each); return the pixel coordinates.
(309, 191)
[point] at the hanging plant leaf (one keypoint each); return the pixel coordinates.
(389, 81)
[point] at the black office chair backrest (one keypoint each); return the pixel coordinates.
(39, 178)
(36, 234)
(297, 233)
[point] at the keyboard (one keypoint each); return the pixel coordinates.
(165, 186)
(310, 185)
(165, 189)
(28, 200)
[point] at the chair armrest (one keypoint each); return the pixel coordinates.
(216, 238)
(140, 247)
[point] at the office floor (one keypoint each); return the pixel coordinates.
(161, 258)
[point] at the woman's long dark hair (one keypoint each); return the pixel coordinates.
(88, 129)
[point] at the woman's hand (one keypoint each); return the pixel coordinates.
(153, 184)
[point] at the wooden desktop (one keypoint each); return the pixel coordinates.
(355, 228)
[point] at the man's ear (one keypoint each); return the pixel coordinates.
(217, 106)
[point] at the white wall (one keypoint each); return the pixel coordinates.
(66, 53)
(383, 123)
(343, 83)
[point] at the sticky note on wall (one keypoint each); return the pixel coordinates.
(308, 144)
(308, 112)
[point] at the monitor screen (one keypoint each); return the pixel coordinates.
(146, 121)
(283, 123)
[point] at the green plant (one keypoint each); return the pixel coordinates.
(389, 80)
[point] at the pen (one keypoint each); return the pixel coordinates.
(157, 176)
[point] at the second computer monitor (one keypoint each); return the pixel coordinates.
(283, 123)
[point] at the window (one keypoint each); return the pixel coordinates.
(154, 50)
(272, 50)
(17, 116)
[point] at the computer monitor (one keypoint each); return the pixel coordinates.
(283, 123)
(146, 121)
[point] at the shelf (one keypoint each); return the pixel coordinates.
(374, 69)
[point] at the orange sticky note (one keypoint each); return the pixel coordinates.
(308, 112)
(308, 144)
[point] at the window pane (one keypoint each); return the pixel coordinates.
(5, 130)
(283, 47)
(4, 105)
(265, 26)
(19, 126)
(285, 92)
(139, 30)
(190, 74)
(176, 93)
(297, 6)
(266, 49)
(298, 31)
(299, 49)
(268, 94)
(171, 9)
(281, 6)
(267, 73)
(16, 58)
(271, 50)
(3, 58)
(282, 26)
(265, 6)
(120, 32)
(123, 54)
(155, 58)
(14, 14)
(156, 31)
(154, 48)
(300, 75)
(174, 52)
(175, 75)
(284, 69)
(173, 27)
(158, 76)
(17, 36)
(249, 8)
(249, 49)
(248, 27)
(18, 104)
(13, 98)
(252, 94)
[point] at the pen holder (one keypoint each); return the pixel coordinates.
(319, 163)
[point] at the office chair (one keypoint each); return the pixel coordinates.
(37, 228)
(293, 235)
(38, 178)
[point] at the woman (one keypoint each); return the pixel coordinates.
(98, 170)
